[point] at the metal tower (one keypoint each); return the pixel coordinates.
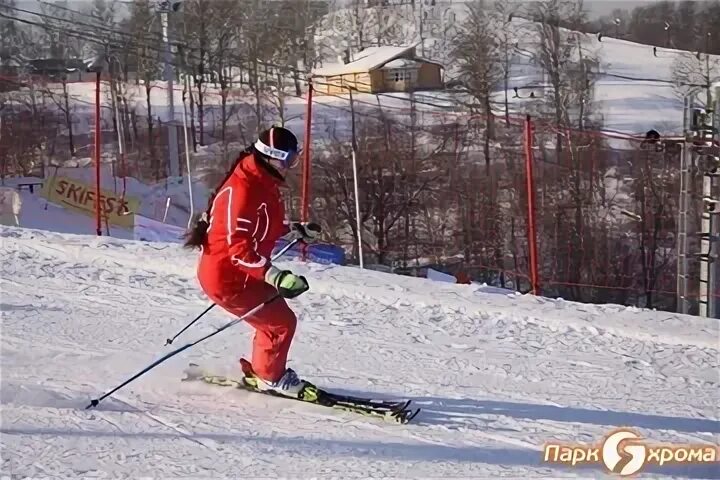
(701, 154)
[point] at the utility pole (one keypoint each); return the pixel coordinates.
(701, 143)
(173, 160)
(422, 24)
(97, 65)
(355, 180)
(683, 249)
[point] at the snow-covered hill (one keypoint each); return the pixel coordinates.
(497, 375)
(633, 93)
(634, 87)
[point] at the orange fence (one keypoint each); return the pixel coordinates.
(581, 215)
(606, 215)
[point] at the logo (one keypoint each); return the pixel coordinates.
(625, 452)
(621, 456)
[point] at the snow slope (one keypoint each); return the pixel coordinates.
(634, 87)
(497, 375)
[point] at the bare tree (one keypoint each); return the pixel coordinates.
(197, 28)
(483, 56)
(303, 50)
(261, 41)
(283, 59)
(24, 143)
(561, 57)
(146, 53)
(56, 18)
(10, 34)
(103, 14)
(294, 51)
(347, 29)
(568, 68)
(480, 60)
(396, 184)
(63, 103)
(655, 195)
(506, 43)
(698, 70)
(223, 17)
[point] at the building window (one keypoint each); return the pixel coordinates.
(401, 75)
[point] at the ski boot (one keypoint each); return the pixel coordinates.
(289, 385)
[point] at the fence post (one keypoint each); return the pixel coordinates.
(530, 184)
(98, 127)
(305, 199)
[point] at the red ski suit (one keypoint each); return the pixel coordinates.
(247, 217)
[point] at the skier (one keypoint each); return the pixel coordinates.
(236, 235)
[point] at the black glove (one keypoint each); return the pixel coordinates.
(309, 232)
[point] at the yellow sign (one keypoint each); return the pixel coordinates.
(624, 452)
(79, 196)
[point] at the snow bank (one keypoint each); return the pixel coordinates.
(10, 206)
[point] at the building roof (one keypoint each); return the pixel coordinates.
(369, 59)
(400, 63)
(56, 65)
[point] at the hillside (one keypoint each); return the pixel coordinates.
(634, 84)
(634, 87)
(497, 375)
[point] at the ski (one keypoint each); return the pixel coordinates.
(394, 411)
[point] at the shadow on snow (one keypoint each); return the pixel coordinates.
(316, 447)
(454, 411)
(440, 410)
(449, 413)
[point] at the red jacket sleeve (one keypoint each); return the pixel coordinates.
(243, 221)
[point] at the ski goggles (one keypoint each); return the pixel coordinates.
(289, 159)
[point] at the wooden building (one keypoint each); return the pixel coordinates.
(380, 70)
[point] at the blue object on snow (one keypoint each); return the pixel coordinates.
(318, 253)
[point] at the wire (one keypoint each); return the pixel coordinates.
(71, 33)
(285, 76)
(74, 12)
(103, 28)
(641, 79)
(297, 71)
(287, 69)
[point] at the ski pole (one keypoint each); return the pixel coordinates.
(170, 340)
(95, 402)
(275, 257)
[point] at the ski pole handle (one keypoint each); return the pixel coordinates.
(287, 247)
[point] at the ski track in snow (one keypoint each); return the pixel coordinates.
(497, 375)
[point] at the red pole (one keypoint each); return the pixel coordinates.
(97, 155)
(305, 200)
(530, 183)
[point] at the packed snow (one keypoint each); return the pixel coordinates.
(497, 375)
